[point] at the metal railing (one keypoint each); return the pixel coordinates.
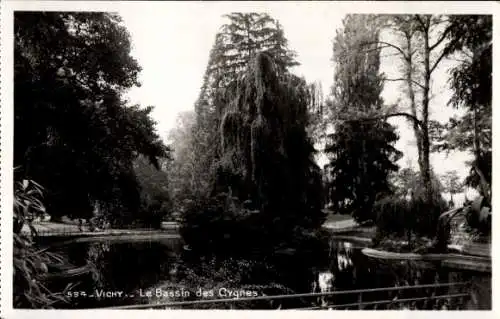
(388, 301)
(360, 304)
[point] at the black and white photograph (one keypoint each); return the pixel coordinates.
(257, 156)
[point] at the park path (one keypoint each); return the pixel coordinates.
(47, 227)
(341, 224)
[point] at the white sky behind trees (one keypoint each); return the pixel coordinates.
(172, 44)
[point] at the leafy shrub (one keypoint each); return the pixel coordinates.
(31, 265)
(226, 229)
(27, 204)
(153, 210)
(222, 224)
(30, 269)
(399, 216)
(155, 202)
(427, 214)
(393, 215)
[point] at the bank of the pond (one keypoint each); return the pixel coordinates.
(122, 262)
(340, 229)
(467, 255)
(459, 261)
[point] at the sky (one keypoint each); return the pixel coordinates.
(172, 44)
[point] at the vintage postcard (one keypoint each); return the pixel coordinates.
(293, 157)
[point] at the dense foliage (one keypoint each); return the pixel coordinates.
(407, 214)
(30, 265)
(471, 81)
(362, 153)
(156, 204)
(266, 170)
(407, 217)
(236, 45)
(74, 133)
(249, 161)
(452, 183)
(242, 177)
(183, 179)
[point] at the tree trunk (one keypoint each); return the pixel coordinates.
(426, 169)
(426, 172)
(413, 105)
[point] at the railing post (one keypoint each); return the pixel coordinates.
(360, 301)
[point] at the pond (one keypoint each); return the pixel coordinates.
(151, 272)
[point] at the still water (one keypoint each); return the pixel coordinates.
(152, 272)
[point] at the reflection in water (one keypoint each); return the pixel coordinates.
(134, 267)
(325, 280)
(350, 270)
(122, 267)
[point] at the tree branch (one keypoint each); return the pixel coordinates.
(387, 44)
(443, 54)
(401, 79)
(378, 49)
(388, 55)
(424, 26)
(462, 61)
(385, 116)
(441, 38)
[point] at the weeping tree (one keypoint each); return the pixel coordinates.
(266, 175)
(267, 157)
(236, 44)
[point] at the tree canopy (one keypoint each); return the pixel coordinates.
(236, 45)
(470, 42)
(74, 132)
(362, 154)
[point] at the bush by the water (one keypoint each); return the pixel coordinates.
(227, 231)
(223, 225)
(31, 264)
(399, 216)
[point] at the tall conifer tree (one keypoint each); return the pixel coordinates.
(236, 44)
(362, 153)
